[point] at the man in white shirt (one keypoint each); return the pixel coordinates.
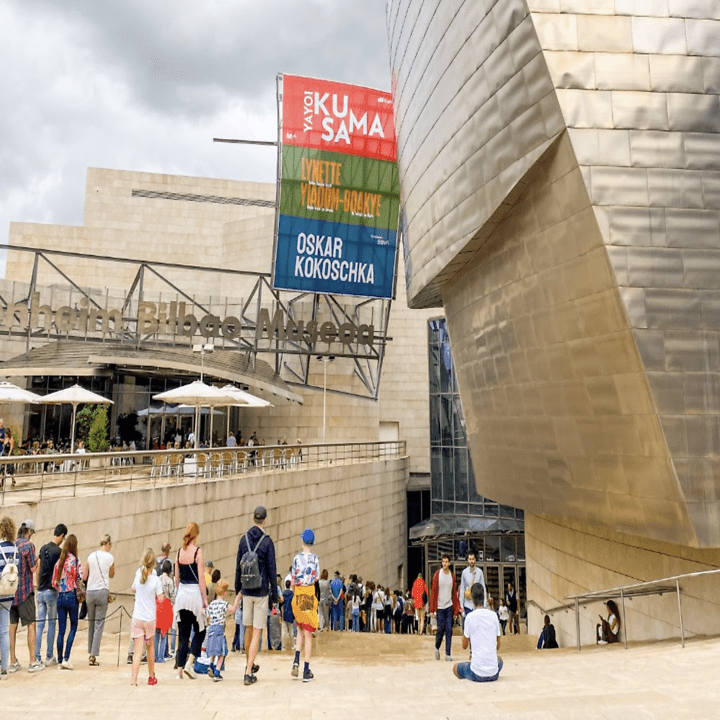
(470, 575)
(482, 633)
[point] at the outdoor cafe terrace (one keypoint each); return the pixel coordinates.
(44, 477)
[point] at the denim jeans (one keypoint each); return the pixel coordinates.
(356, 620)
(335, 615)
(160, 646)
(46, 602)
(67, 606)
(444, 627)
(5, 634)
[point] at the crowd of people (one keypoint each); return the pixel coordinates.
(184, 598)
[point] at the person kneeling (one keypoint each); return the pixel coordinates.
(482, 633)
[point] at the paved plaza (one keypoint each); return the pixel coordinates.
(380, 676)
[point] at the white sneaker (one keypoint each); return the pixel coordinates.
(66, 665)
(3, 675)
(437, 654)
(50, 661)
(36, 666)
(448, 658)
(14, 667)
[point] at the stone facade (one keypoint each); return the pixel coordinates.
(357, 512)
(207, 222)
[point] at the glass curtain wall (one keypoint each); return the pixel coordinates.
(453, 493)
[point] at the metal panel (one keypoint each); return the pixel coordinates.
(651, 148)
(586, 108)
(702, 150)
(659, 35)
(619, 186)
(571, 69)
(642, 7)
(676, 73)
(711, 189)
(695, 8)
(675, 188)
(702, 37)
(711, 75)
(692, 228)
(699, 113)
(604, 33)
(640, 111)
(557, 32)
(563, 193)
(622, 71)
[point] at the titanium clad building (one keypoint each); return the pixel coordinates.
(560, 177)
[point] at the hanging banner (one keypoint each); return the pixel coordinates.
(339, 190)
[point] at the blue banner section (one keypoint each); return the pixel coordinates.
(330, 257)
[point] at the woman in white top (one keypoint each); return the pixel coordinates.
(147, 588)
(98, 570)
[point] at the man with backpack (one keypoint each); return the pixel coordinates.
(255, 575)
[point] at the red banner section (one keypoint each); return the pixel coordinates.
(325, 115)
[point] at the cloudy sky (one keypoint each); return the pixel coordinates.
(146, 85)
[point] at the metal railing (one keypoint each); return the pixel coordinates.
(33, 478)
(650, 587)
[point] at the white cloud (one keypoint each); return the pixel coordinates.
(146, 86)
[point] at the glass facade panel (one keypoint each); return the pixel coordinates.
(461, 475)
(465, 513)
(453, 479)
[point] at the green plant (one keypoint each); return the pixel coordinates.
(98, 436)
(84, 420)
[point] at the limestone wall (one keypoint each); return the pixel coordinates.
(357, 512)
(565, 558)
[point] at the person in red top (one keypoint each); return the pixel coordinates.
(444, 601)
(420, 597)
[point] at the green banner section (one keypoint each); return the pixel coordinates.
(336, 187)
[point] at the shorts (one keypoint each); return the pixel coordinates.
(24, 612)
(465, 673)
(142, 629)
(255, 611)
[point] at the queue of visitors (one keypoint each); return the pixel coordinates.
(188, 594)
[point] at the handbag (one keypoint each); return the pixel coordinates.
(80, 591)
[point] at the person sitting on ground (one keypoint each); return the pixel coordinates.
(608, 631)
(547, 639)
(482, 633)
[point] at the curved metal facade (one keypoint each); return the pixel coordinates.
(560, 177)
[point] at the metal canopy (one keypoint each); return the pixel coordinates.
(439, 526)
(292, 347)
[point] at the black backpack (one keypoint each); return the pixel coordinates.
(250, 577)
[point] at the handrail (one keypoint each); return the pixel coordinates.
(552, 610)
(41, 476)
(660, 586)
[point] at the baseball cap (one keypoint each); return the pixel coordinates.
(308, 537)
(29, 524)
(260, 513)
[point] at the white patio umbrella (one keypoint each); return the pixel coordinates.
(10, 393)
(243, 399)
(74, 396)
(198, 394)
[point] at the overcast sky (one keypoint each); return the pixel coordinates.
(146, 85)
